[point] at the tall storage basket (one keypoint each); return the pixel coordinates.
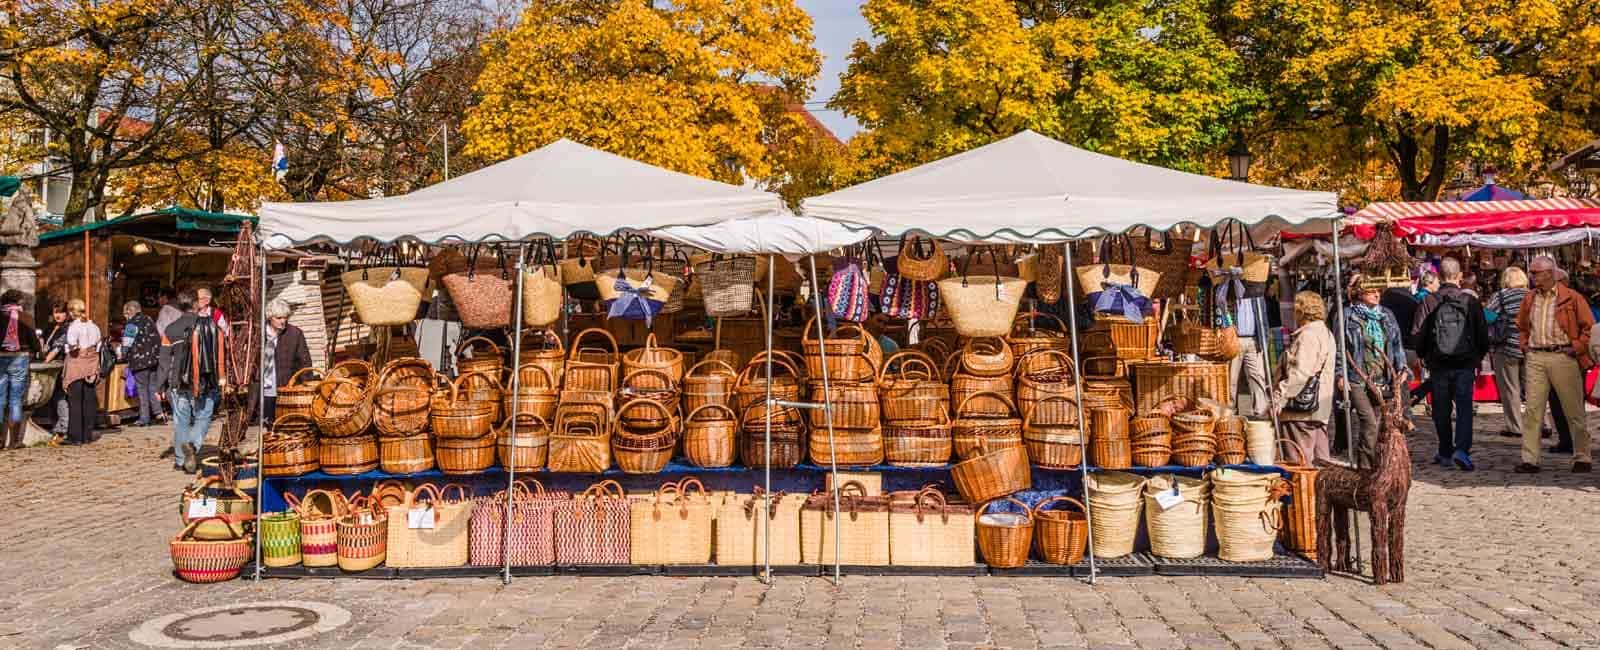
(320, 511)
(1061, 536)
(1116, 502)
(362, 537)
(1177, 530)
(1300, 516)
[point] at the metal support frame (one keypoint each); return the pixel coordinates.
(1339, 347)
(261, 412)
(827, 406)
(516, 381)
(1083, 437)
(766, 449)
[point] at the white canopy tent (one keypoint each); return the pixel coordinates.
(559, 190)
(1031, 189)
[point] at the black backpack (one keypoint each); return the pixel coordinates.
(1452, 327)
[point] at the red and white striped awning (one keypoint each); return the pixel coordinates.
(1394, 211)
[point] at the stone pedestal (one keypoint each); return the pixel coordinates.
(19, 271)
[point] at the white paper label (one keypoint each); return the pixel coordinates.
(202, 507)
(420, 518)
(1168, 498)
(366, 519)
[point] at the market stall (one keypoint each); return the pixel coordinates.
(1039, 438)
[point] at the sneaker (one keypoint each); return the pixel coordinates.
(1580, 468)
(1510, 434)
(1526, 468)
(1441, 460)
(1462, 460)
(192, 462)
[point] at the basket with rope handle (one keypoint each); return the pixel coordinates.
(454, 416)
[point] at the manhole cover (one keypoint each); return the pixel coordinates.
(246, 624)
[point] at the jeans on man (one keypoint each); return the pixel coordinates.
(149, 405)
(191, 418)
(13, 385)
(1452, 388)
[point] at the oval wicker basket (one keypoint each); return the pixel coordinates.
(489, 362)
(402, 398)
(548, 354)
(927, 445)
(349, 455)
(986, 357)
(1229, 433)
(342, 407)
(654, 357)
(849, 358)
(454, 416)
(971, 432)
(713, 386)
(851, 405)
(537, 393)
(992, 473)
(295, 396)
(710, 441)
(531, 448)
(589, 368)
(1061, 536)
(910, 391)
(1052, 447)
(291, 448)
(465, 455)
(1194, 443)
(645, 450)
(1005, 537)
(406, 455)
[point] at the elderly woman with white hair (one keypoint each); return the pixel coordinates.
(287, 353)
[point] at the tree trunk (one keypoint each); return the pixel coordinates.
(80, 202)
(1406, 151)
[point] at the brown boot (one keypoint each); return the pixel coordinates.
(14, 434)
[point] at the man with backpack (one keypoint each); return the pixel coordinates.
(1452, 337)
(1555, 322)
(191, 374)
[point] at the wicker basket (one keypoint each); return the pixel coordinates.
(1109, 422)
(1060, 536)
(849, 358)
(910, 391)
(547, 353)
(1048, 404)
(1247, 526)
(295, 396)
(483, 388)
(1230, 440)
(926, 530)
(1110, 453)
(918, 445)
(591, 368)
(1025, 338)
(750, 387)
(851, 405)
(1177, 530)
(453, 416)
(993, 473)
(849, 448)
(654, 357)
(1155, 382)
(342, 407)
(487, 359)
(993, 393)
(1134, 341)
(531, 447)
(1152, 440)
(206, 561)
(1115, 499)
(644, 449)
(1052, 446)
(362, 536)
(986, 357)
(401, 401)
(1300, 516)
(407, 455)
(788, 441)
(710, 436)
(465, 455)
(537, 393)
(580, 439)
(1210, 343)
(351, 455)
(291, 448)
(1047, 366)
(1194, 443)
(1005, 537)
(970, 431)
(714, 385)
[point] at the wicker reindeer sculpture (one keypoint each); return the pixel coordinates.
(1380, 491)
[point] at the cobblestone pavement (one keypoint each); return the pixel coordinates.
(1495, 560)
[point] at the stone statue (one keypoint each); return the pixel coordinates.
(19, 234)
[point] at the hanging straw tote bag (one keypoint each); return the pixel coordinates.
(429, 529)
(727, 284)
(925, 529)
(543, 295)
(1116, 289)
(482, 300)
(386, 294)
(915, 264)
(982, 305)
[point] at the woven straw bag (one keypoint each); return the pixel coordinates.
(203, 561)
(742, 534)
(386, 295)
(673, 526)
(543, 294)
(1170, 259)
(442, 545)
(280, 538)
(1050, 273)
(982, 305)
(234, 509)
(1247, 526)
(593, 527)
(482, 300)
(912, 263)
(532, 540)
(1115, 500)
(926, 530)
(1177, 530)
(319, 512)
(727, 285)
(362, 536)
(863, 532)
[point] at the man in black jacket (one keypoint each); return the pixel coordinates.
(1452, 336)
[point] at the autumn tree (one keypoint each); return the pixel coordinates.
(1146, 81)
(1418, 88)
(682, 85)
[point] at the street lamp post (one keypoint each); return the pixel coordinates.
(1239, 159)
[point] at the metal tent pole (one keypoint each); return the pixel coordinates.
(261, 394)
(1083, 426)
(516, 377)
(827, 405)
(766, 448)
(1339, 346)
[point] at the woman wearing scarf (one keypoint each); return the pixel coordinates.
(19, 343)
(1373, 345)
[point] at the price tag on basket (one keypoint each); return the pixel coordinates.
(202, 507)
(1168, 498)
(420, 518)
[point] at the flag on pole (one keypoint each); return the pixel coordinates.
(280, 161)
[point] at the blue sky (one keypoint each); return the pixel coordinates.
(837, 24)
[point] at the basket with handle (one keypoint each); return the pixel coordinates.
(401, 398)
(453, 415)
(1248, 525)
(852, 354)
(1025, 337)
(486, 359)
(204, 561)
(362, 536)
(545, 352)
(981, 305)
(914, 264)
(234, 508)
(654, 357)
(673, 526)
(1135, 341)
(1300, 516)
(387, 493)
(989, 391)
(910, 391)
(485, 388)
(537, 393)
(743, 523)
(1052, 447)
(986, 357)
(713, 385)
(1230, 440)
(444, 543)
(992, 473)
(349, 455)
(342, 407)
(750, 392)
(594, 527)
(592, 368)
(532, 535)
(854, 405)
(849, 447)
(710, 435)
(727, 284)
(319, 512)
(1151, 437)
(1194, 443)
(1005, 537)
(862, 535)
(919, 445)
(651, 384)
(1047, 366)
(466, 455)
(1191, 336)
(407, 455)
(788, 446)
(1060, 536)
(542, 292)
(1052, 403)
(968, 430)
(1178, 529)
(1158, 381)
(482, 300)
(530, 450)
(280, 538)
(925, 529)
(580, 438)
(295, 396)
(1109, 422)
(645, 449)
(386, 295)
(291, 448)
(1115, 499)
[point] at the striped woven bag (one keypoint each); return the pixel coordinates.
(593, 528)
